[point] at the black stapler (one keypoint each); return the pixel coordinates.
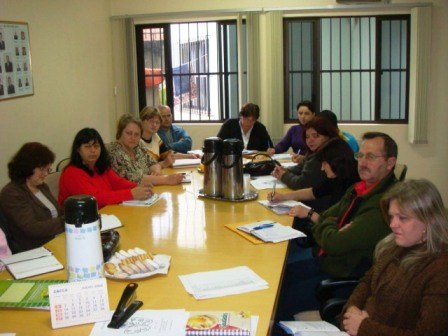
(126, 307)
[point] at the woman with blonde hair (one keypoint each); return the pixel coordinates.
(130, 158)
(405, 292)
(151, 121)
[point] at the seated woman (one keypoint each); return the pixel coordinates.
(405, 292)
(130, 158)
(293, 138)
(32, 213)
(151, 120)
(89, 172)
(339, 164)
(308, 173)
(246, 128)
(350, 138)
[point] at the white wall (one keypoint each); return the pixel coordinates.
(75, 69)
(72, 71)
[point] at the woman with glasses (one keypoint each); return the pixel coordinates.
(89, 172)
(405, 292)
(130, 158)
(151, 121)
(32, 213)
(248, 129)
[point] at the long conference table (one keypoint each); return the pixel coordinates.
(192, 231)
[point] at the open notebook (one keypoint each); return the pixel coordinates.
(33, 262)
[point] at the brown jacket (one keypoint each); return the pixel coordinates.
(402, 303)
(29, 220)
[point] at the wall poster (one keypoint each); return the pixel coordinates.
(16, 78)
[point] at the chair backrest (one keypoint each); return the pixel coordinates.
(62, 164)
(400, 171)
(52, 180)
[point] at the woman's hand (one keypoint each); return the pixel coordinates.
(173, 179)
(270, 151)
(275, 197)
(278, 172)
(168, 161)
(297, 158)
(352, 320)
(141, 192)
(299, 211)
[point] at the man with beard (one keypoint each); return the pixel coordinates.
(347, 233)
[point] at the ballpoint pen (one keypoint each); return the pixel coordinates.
(263, 226)
(273, 190)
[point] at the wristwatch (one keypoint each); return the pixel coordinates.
(310, 213)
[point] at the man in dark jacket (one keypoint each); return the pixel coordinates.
(347, 233)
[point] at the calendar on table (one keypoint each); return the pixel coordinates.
(78, 303)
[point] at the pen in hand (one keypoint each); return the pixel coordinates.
(273, 190)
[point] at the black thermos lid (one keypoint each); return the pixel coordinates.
(232, 146)
(212, 145)
(80, 209)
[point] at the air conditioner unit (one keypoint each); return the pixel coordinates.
(361, 2)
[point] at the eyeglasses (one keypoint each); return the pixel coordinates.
(45, 169)
(368, 156)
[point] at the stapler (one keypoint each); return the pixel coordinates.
(126, 307)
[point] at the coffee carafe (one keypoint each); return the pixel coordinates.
(232, 169)
(83, 238)
(212, 166)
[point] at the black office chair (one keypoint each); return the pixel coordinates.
(400, 171)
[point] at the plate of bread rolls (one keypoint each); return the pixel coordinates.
(136, 263)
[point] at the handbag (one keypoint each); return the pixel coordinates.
(259, 168)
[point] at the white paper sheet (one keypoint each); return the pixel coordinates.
(179, 163)
(148, 323)
(109, 222)
(266, 182)
(282, 156)
(281, 208)
(237, 280)
(145, 203)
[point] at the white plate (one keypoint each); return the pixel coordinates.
(161, 259)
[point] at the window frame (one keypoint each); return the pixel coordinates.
(222, 72)
(317, 69)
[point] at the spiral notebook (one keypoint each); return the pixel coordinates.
(208, 323)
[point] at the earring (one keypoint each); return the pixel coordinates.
(423, 239)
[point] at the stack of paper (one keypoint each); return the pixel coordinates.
(180, 163)
(283, 207)
(32, 262)
(237, 280)
(269, 231)
(148, 202)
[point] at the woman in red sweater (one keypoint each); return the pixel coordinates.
(90, 173)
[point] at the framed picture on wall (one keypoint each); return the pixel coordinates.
(16, 77)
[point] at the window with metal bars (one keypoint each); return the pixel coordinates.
(192, 67)
(358, 67)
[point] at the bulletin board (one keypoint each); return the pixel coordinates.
(16, 77)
